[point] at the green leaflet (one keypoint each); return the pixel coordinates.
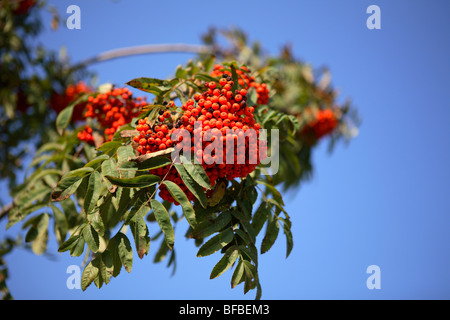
(91, 237)
(271, 235)
(181, 198)
(193, 186)
(141, 236)
(63, 119)
(225, 262)
(99, 271)
(137, 182)
(66, 187)
(216, 243)
(124, 250)
(163, 219)
(93, 192)
(197, 173)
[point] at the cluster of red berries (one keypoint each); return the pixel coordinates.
(111, 110)
(59, 101)
(23, 6)
(246, 81)
(86, 135)
(262, 92)
(223, 115)
(22, 102)
(158, 137)
(322, 123)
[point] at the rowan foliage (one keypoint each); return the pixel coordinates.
(104, 160)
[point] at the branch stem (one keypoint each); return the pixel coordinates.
(145, 49)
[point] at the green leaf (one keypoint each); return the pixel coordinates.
(125, 200)
(96, 221)
(206, 77)
(193, 186)
(183, 200)
(109, 169)
(163, 219)
(69, 243)
(250, 275)
(141, 236)
(180, 94)
(140, 208)
(197, 172)
(249, 251)
(99, 271)
(90, 273)
(137, 182)
(106, 266)
(125, 153)
(244, 221)
(260, 217)
(64, 118)
(208, 227)
(244, 207)
(80, 172)
(208, 62)
(38, 175)
(244, 236)
(39, 226)
(271, 235)
(71, 212)
(18, 214)
(172, 261)
(235, 78)
(149, 164)
(237, 274)
(155, 86)
(91, 237)
(225, 262)
(110, 147)
(124, 250)
(39, 193)
(216, 243)
(97, 160)
(288, 234)
(278, 205)
(93, 192)
(39, 245)
(217, 193)
(161, 253)
(49, 147)
(78, 247)
(115, 256)
(61, 224)
(65, 188)
(180, 72)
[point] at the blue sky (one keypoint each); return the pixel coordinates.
(382, 200)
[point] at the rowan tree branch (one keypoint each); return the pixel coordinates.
(145, 49)
(4, 210)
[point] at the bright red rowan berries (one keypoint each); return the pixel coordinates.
(219, 110)
(113, 109)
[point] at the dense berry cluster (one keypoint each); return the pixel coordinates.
(322, 123)
(22, 102)
(111, 110)
(23, 6)
(223, 115)
(86, 135)
(59, 101)
(246, 81)
(262, 92)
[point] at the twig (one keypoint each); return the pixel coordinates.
(4, 210)
(147, 156)
(145, 49)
